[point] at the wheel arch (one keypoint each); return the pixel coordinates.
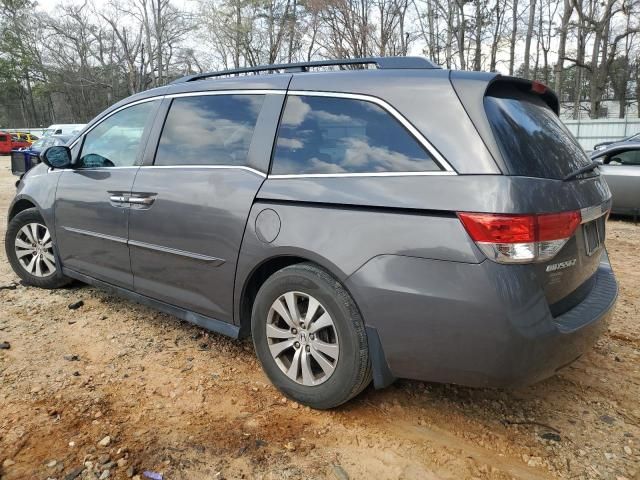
(279, 259)
(19, 205)
(260, 273)
(382, 376)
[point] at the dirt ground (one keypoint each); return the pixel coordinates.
(177, 400)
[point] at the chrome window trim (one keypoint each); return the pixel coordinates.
(214, 167)
(448, 169)
(374, 174)
(183, 94)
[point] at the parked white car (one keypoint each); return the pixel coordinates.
(63, 129)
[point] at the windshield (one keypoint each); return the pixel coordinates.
(39, 144)
(532, 139)
(60, 140)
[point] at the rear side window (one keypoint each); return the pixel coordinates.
(532, 139)
(209, 130)
(340, 135)
(628, 158)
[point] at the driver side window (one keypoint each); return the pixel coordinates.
(116, 141)
(630, 157)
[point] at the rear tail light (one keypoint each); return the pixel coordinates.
(520, 238)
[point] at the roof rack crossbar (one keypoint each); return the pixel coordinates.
(379, 62)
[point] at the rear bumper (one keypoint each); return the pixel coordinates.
(483, 325)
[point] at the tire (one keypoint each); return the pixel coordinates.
(334, 350)
(40, 268)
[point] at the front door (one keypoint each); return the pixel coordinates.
(190, 207)
(91, 211)
(622, 173)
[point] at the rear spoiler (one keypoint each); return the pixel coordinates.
(502, 82)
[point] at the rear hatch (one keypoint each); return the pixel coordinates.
(533, 142)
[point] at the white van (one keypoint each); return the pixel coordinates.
(63, 129)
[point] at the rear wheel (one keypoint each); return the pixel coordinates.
(30, 251)
(310, 337)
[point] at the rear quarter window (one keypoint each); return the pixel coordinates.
(532, 139)
(332, 135)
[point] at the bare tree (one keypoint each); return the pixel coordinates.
(527, 43)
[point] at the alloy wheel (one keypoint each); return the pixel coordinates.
(302, 338)
(34, 250)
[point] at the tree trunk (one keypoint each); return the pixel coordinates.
(477, 61)
(461, 34)
(292, 30)
(595, 74)
(238, 39)
(514, 33)
(562, 46)
(577, 84)
(431, 37)
(527, 43)
(450, 28)
(638, 84)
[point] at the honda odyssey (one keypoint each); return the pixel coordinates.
(360, 223)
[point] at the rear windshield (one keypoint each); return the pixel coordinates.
(532, 139)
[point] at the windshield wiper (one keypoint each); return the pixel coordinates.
(585, 169)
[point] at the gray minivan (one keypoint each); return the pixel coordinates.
(360, 223)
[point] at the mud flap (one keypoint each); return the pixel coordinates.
(382, 376)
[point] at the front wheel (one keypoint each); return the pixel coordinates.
(30, 251)
(310, 337)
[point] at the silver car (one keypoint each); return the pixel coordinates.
(620, 166)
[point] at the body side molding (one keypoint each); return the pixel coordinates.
(215, 261)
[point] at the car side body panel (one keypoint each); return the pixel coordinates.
(624, 183)
(623, 179)
(455, 193)
(91, 230)
(38, 187)
(184, 246)
(474, 324)
(341, 240)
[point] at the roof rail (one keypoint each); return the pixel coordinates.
(379, 62)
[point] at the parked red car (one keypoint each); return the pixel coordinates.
(9, 141)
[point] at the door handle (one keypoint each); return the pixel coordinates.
(118, 199)
(141, 200)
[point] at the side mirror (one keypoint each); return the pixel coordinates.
(57, 157)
